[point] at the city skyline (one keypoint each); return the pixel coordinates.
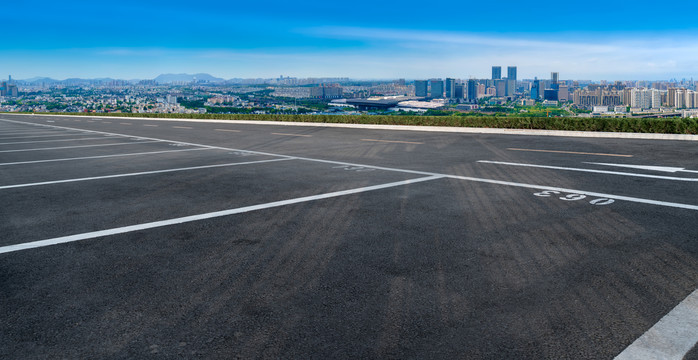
(362, 40)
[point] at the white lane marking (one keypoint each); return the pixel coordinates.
(583, 192)
(228, 130)
(394, 141)
(285, 134)
(671, 338)
(41, 136)
(61, 140)
(590, 171)
(150, 125)
(138, 173)
(569, 152)
(646, 167)
(97, 157)
(81, 146)
(498, 182)
(182, 127)
(181, 220)
(158, 140)
(125, 123)
(15, 133)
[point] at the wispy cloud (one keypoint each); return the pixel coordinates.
(590, 55)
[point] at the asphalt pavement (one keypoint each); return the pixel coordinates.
(134, 238)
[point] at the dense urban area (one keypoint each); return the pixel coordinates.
(498, 95)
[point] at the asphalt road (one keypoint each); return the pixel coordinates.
(127, 238)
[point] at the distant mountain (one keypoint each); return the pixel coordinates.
(39, 80)
(171, 78)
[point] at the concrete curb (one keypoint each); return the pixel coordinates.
(447, 129)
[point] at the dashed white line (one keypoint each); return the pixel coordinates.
(228, 130)
(150, 125)
(186, 219)
(97, 157)
(138, 174)
(182, 127)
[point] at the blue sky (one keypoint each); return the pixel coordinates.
(612, 40)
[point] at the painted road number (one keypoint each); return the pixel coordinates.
(574, 197)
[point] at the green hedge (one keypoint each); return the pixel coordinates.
(662, 126)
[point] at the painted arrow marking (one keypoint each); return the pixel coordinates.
(645, 167)
(591, 171)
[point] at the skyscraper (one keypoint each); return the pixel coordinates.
(496, 72)
(555, 77)
(437, 88)
(511, 73)
(420, 88)
(450, 88)
(472, 90)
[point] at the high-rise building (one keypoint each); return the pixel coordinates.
(510, 87)
(501, 88)
(459, 93)
(511, 73)
(536, 89)
(421, 88)
(496, 72)
(450, 88)
(555, 77)
(472, 90)
(437, 88)
(563, 93)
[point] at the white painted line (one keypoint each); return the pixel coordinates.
(394, 141)
(149, 125)
(36, 132)
(590, 171)
(186, 219)
(125, 123)
(42, 136)
(575, 191)
(61, 140)
(648, 167)
(138, 173)
(284, 134)
(671, 338)
(98, 157)
(569, 152)
(154, 139)
(182, 127)
(228, 130)
(107, 122)
(530, 186)
(81, 146)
